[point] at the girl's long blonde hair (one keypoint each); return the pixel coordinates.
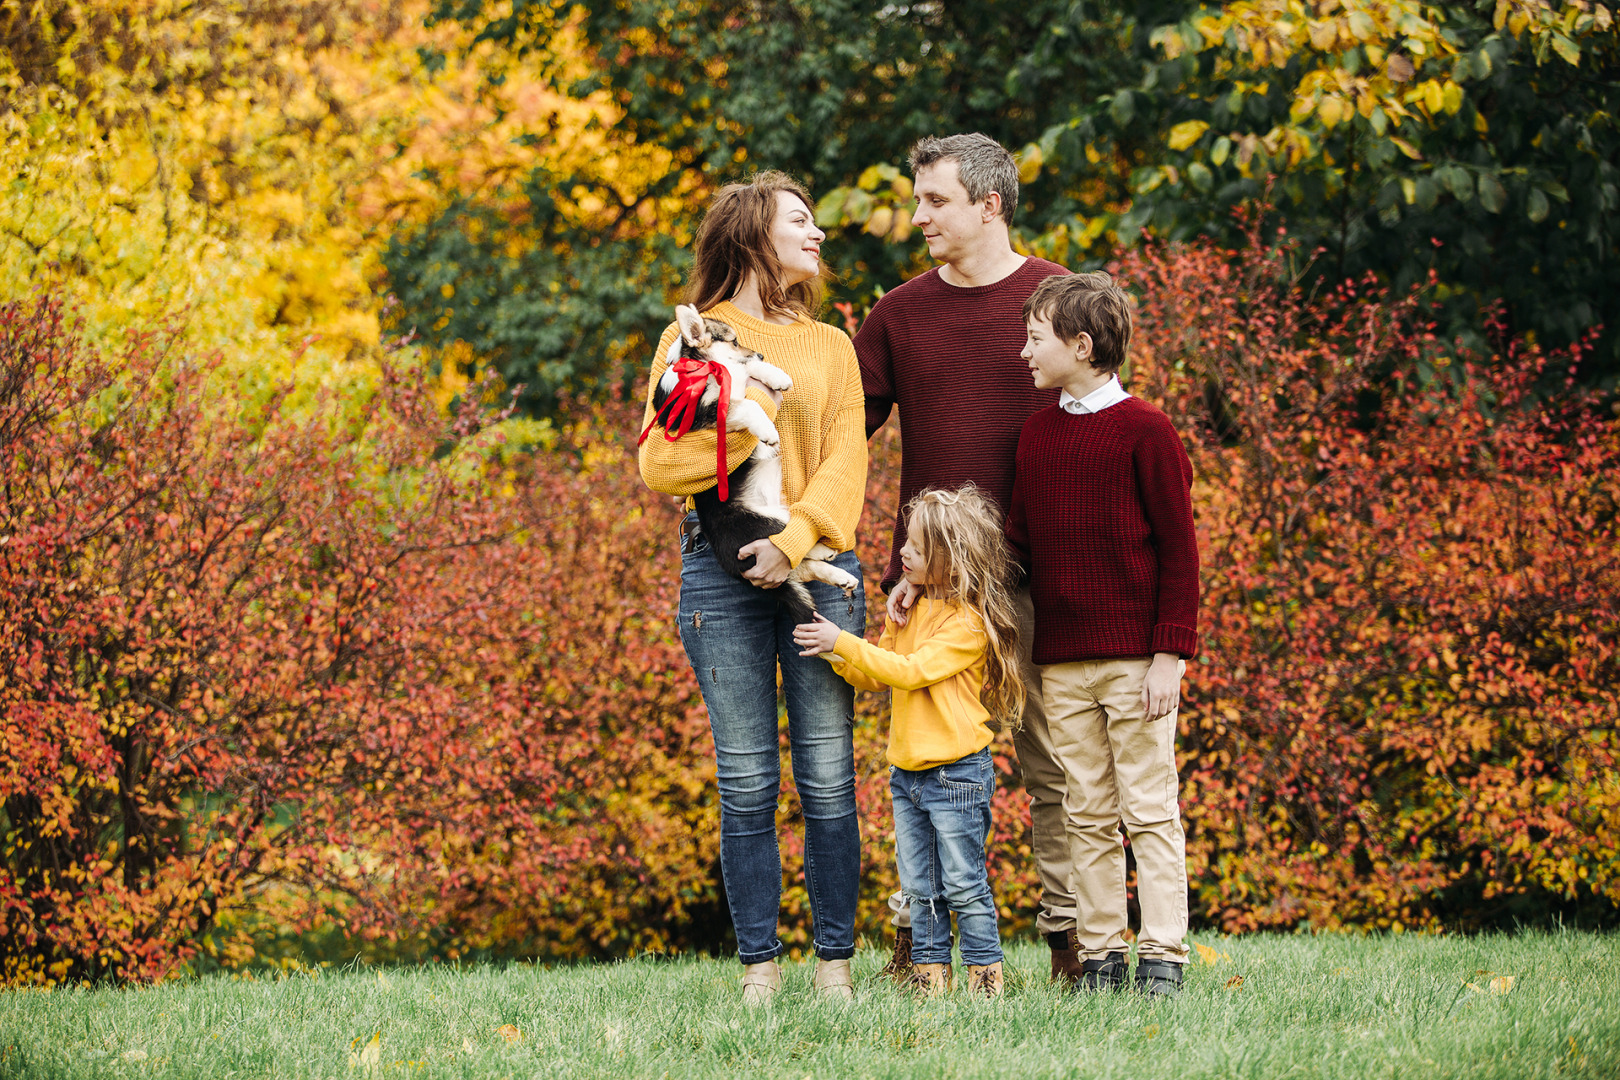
(960, 534)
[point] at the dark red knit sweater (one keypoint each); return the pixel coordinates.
(950, 358)
(1102, 515)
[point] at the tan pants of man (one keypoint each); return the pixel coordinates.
(1121, 769)
(1043, 779)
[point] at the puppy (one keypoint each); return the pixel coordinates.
(747, 504)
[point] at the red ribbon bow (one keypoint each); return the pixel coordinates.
(681, 407)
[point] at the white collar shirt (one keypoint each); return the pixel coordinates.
(1109, 393)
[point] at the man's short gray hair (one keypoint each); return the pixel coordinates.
(982, 165)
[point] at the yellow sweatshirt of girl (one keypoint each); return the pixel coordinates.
(935, 664)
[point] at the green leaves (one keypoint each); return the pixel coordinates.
(1536, 205)
(1401, 142)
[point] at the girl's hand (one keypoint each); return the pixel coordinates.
(815, 638)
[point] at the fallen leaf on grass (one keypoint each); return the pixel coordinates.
(1210, 956)
(1151, 1030)
(369, 1056)
(1234, 982)
(510, 1033)
(1501, 984)
(466, 1045)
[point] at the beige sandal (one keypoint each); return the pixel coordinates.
(834, 980)
(760, 982)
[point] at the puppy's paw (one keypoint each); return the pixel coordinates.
(770, 375)
(832, 575)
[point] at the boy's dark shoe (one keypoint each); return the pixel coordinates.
(1065, 959)
(900, 968)
(1161, 978)
(1105, 974)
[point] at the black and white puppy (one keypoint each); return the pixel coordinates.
(754, 509)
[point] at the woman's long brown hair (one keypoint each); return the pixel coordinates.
(959, 534)
(734, 242)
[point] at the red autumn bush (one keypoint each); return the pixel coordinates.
(1405, 710)
(301, 664)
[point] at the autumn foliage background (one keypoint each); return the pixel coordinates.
(316, 641)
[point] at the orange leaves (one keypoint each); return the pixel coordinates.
(256, 660)
(1410, 660)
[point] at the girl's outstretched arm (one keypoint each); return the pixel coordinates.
(950, 651)
(819, 638)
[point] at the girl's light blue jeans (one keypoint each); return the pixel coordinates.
(941, 822)
(735, 635)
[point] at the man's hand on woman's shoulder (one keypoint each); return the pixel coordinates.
(901, 598)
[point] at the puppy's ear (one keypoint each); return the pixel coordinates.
(692, 329)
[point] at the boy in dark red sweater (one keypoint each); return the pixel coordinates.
(1102, 517)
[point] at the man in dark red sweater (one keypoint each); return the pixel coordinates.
(944, 346)
(1102, 517)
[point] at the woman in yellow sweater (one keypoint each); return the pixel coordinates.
(955, 655)
(756, 266)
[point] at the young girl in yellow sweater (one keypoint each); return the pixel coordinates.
(954, 670)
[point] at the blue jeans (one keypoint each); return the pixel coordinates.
(941, 821)
(735, 634)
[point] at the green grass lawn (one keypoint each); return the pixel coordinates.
(1327, 1006)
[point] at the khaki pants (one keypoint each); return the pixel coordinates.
(1044, 780)
(1121, 770)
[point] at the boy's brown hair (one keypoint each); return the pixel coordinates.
(1086, 304)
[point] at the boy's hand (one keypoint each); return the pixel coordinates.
(1162, 690)
(815, 638)
(901, 597)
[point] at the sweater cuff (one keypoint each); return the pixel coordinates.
(762, 397)
(844, 648)
(1170, 638)
(799, 537)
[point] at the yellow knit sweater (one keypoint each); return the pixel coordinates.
(822, 423)
(935, 663)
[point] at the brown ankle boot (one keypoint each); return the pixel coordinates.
(931, 980)
(1065, 958)
(984, 980)
(899, 967)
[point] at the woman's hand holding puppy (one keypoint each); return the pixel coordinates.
(770, 568)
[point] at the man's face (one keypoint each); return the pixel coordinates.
(954, 227)
(1053, 361)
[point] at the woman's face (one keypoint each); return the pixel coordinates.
(796, 239)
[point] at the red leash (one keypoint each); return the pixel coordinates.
(681, 407)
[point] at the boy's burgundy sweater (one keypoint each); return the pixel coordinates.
(950, 357)
(1102, 517)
